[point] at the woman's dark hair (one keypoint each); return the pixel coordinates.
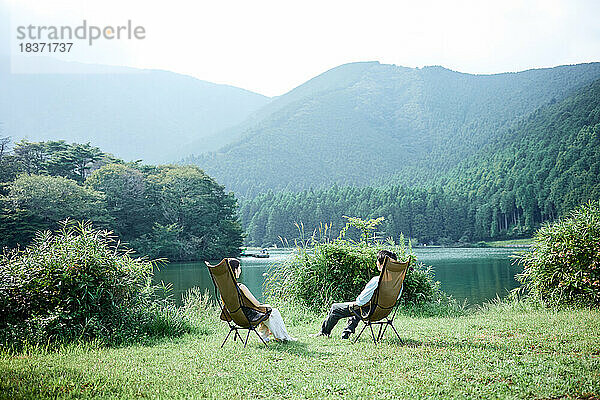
(234, 263)
(383, 253)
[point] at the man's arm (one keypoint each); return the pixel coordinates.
(364, 296)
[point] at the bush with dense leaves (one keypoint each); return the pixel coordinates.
(564, 264)
(77, 283)
(338, 271)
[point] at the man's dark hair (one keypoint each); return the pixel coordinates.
(383, 253)
(234, 263)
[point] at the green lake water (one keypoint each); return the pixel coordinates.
(477, 275)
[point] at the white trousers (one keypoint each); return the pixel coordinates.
(276, 326)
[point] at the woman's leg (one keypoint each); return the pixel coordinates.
(277, 327)
(263, 330)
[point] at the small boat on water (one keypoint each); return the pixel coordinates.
(262, 254)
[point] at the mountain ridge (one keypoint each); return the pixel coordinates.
(306, 137)
(144, 114)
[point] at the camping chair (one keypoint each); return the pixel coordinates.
(236, 309)
(384, 299)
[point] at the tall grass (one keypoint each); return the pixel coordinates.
(80, 284)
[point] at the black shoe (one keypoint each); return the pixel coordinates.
(346, 335)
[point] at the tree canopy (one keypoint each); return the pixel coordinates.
(177, 212)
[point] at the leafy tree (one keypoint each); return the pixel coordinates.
(82, 156)
(366, 227)
(37, 202)
(165, 241)
(195, 211)
(30, 157)
(52, 199)
(58, 158)
(8, 168)
(175, 212)
(4, 142)
(128, 199)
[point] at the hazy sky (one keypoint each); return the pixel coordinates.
(273, 46)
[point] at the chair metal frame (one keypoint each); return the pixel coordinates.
(382, 327)
(233, 327)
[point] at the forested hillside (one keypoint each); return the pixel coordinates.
(368, 124)
(536, 169)
(132, 113)
(540, 168)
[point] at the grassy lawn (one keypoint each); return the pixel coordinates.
(502, 352)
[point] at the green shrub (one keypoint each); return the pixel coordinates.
(324, 271)
(338, 271)
(564, 264)
(77, 283)
(419, 286)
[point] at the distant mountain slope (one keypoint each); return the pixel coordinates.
(541, 167)
(134, 114)
(346, 74)
(368, 123)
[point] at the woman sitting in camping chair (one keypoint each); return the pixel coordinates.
(272, 326)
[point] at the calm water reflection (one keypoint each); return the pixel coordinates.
(189, 274)
(474, 274)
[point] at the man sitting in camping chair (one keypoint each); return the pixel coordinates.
(352, 309)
